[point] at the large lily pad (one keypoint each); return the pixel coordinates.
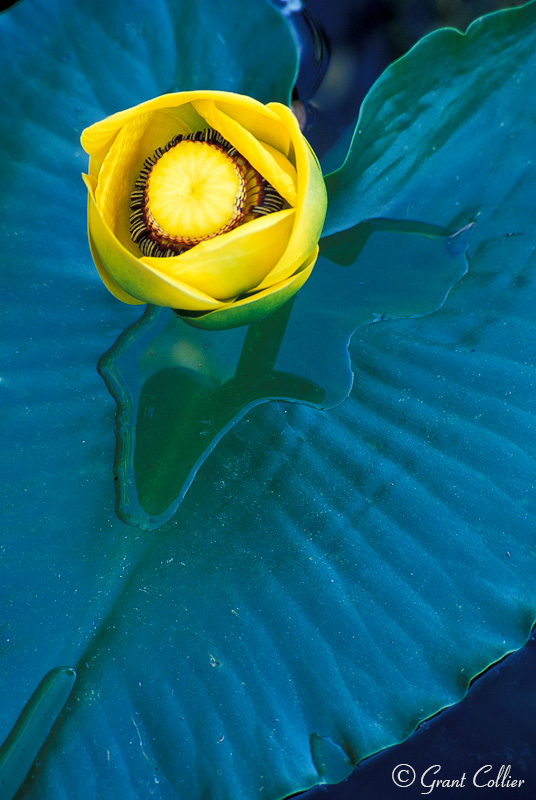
(331, 577)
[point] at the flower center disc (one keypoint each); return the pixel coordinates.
(195, 191)
(194, 188)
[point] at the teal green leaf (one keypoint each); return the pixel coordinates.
(331, 577)
(29, 733)
(444, 136)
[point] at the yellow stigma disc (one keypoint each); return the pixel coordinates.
(195, 191)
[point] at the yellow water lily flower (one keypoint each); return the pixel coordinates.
(207, 202)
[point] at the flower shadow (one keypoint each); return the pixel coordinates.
(179, 389)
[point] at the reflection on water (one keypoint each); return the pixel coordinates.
(180, 389)
(195, 385)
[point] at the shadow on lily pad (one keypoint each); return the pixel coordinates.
(179, 389)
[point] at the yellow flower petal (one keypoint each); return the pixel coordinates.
(94, 169)
(233, 263)
(110, 284)
(139, 280)
(310, 206)
(256, 306)
(276, 169)
(117, 177)
(97, 139)
(261, 121)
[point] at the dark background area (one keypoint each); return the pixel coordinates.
(346, 45)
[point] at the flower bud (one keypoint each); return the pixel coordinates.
(210, 203)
